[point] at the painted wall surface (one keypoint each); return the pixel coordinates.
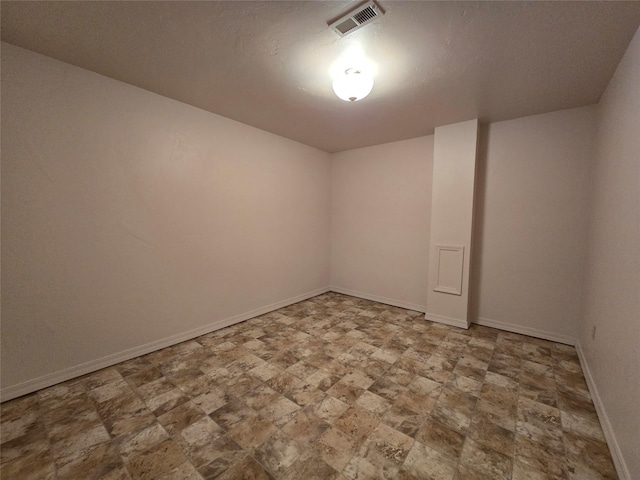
(531, 222)
(452, 197)
(128, 217)
(380, 207)
(612, 299)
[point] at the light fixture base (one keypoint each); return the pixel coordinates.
(353, 85)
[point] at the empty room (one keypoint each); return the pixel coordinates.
(320, 240)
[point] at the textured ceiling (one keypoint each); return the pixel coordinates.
(268, 63)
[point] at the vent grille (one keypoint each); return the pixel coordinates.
(365, 15)
(356, 18)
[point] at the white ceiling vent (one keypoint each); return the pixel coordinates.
(357, 18)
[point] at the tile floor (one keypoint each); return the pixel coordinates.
(334, 387)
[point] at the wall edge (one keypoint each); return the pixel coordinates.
(377, 298)
(609, 434)
(30, 386)
(522, 330)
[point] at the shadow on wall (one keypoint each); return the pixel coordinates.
(478, 222)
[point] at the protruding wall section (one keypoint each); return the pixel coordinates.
(454, 171)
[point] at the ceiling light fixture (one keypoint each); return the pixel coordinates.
(352, 85)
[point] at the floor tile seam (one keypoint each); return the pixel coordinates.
(424, 445)
(356, 454)
(46, 430)
(146, 407)
(38, 420)
(49, 434)
(564, 436)
(414, 375)
(513, 453)
(350, 406)
(252, 455)
(557, 407)
(3, 465)
(251, 452)
(468, 436)
(515, 433)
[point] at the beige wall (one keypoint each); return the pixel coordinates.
(531, 222)
(612, 300)
(129, 218)
(380, 208)
(530, 226)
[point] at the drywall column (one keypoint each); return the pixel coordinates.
(454, 167)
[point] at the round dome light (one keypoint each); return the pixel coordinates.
(353, 85)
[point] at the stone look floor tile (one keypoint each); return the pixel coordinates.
(548, 457)
(493, 464)
(584, 425)
(33, 441)
(52, 413)
(466, 384)
(156, 461)
(387, 388)
(247, 469)
(387, 445)
(186, 471)
(403, 420)
(217, 456)
(334, 387)
(280, 412)
(588, 458)
(467, 473)
(74, 425)
(305, 427)
(522, 471)
(329, 408)
(425, 462)
(32, 466)
(284, 383)
(488, 434)
(538, 421)
(252, 432)
(454, 409)
(503, 416)
(416, 402)
(278, 453)
(77, 445)
(362, 467)
(201, 433)
(357, 423)
(336, 448)
(233, 412)
(310, 466)
(137, 442)
(441, 438)
(305, 394)
(98, 463)
(373, 403)
(180, 417)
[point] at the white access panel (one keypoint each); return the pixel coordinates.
(450, 268)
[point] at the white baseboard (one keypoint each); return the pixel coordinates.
(376, 298)
(614, 447)
(454, 322)
(50, 379)
(522, 330)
